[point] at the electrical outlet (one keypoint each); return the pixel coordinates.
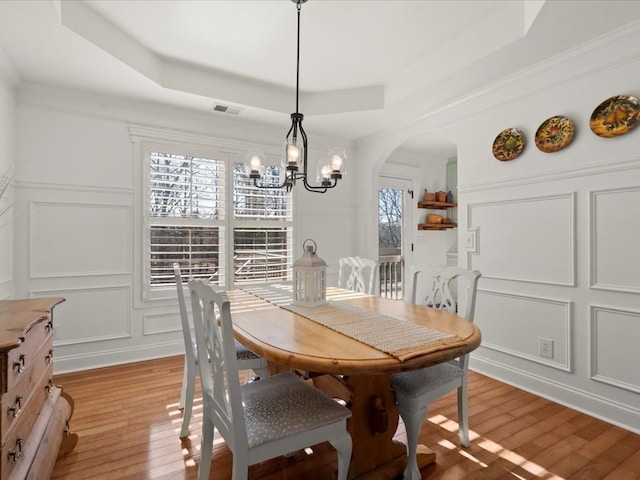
(545, 347)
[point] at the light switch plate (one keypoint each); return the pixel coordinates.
(470, 240)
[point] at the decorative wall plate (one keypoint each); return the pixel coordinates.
(508, 144)
(615, 116)
(555, 133)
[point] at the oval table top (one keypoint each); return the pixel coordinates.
(288, 339)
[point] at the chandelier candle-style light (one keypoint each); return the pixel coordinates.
(329, 170)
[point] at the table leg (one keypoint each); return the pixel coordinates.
(372, 426)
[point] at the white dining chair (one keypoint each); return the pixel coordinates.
(261, 420)
(247, 360)
(416, 389)
(358, 274)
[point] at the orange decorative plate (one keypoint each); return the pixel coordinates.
(615, 116)
(555, 133)
(508, 144)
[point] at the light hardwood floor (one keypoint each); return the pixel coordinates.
(128, 422)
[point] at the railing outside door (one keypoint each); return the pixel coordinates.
(392, 276)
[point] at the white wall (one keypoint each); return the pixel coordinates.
(7, 162)
(76, 236)
(557, 234)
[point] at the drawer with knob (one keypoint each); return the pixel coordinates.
(31, 389)
(21, 442)
(21, 357)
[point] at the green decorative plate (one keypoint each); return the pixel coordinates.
(508, 144)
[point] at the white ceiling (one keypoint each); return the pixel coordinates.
(363, 66)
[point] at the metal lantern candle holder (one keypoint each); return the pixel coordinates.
(309, 277)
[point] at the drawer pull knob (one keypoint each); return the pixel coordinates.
(49, 357)
(16, 454)
(49, 386)
(49, 326)
(20, 363)
(16, 409)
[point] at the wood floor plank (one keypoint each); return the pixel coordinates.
(128, 423)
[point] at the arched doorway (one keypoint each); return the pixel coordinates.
(426, 162)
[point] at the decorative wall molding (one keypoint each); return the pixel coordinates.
(624, 355)
(90, 189)
(154, 324)
(108, 309)
(567, 66)
(74, 362)
(623, 415)
(564, 313)
(566, 206)
(620, 165)
(96, 246)
(617, 263)
(146, 133)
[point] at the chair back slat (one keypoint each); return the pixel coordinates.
(440, 293)
(184, 316)
(358, 274)
(218, 363)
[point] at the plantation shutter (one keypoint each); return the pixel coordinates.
(187, 213)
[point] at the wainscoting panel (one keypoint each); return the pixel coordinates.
(513, 324)
(615, 356)
(90, 314)
(528, 240)
(615, 228)
(153, 324)
(74, 239)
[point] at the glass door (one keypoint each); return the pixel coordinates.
(393, 197)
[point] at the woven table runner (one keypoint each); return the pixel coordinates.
(396, 337)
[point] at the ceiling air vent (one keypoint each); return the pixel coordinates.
(226, 109)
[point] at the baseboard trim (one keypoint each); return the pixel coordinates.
(109, 358)
(617, 414)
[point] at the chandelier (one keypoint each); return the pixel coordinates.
(329, 170)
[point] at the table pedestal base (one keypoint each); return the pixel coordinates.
(372, 426)
(394, 469)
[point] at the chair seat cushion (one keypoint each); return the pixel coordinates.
(416, 383)
(243, 353)
(282, 405)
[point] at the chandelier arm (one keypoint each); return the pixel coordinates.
(303, 134)
(318, 188)
(257, 185)
(286, 183)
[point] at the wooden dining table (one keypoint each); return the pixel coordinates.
(345, 367)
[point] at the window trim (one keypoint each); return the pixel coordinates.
(149, 139)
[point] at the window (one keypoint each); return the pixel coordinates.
(261, 253)
(187, 212)
(206, 215)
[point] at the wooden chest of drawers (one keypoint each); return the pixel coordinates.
(34, 413)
